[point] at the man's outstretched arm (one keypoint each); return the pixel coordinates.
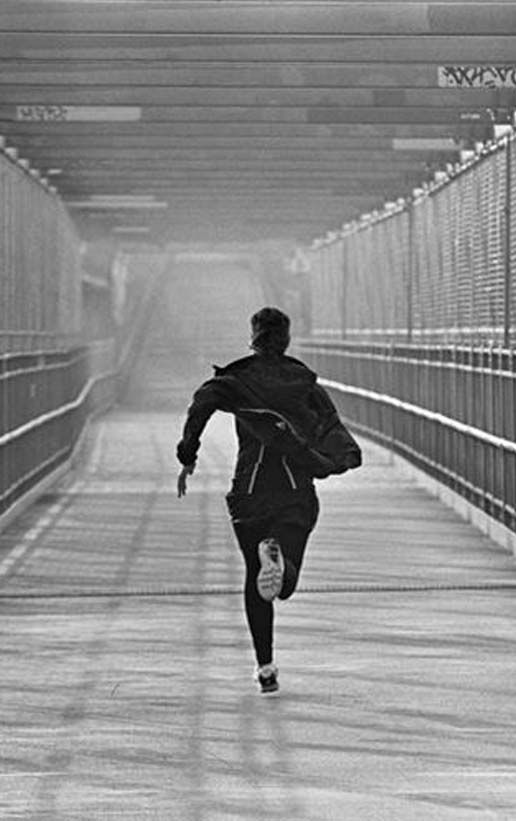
(211, 396)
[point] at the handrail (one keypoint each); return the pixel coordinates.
(447, 421)
(57, 412)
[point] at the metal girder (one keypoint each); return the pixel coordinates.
(223, 75)
(211, 100)
(318, 134)
(197, 19)
(335, 151)
(220, 76)
(336, 48)
(95, 159)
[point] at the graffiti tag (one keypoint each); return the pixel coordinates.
(477, 76)
(41, 113)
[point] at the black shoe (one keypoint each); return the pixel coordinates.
(267, 678)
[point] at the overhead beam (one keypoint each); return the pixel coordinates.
(219, 188)
(245, 75)
(216, 130)
(206, 146)
(370, 185)
(307, 179)
(202, 74)
(336, 48)
(267, 100)
(171, 189)
(323, 115)
(395, 18)
(292, 171)
(155, 155)
(246, 99)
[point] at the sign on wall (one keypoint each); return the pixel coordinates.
(76, 113)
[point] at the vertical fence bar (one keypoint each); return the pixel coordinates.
(344, 272)
(410, 270)
(507, 250)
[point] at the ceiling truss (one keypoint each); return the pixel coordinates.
(248, 120)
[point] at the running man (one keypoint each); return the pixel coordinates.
(272, 501)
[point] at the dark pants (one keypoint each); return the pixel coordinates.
(291, 526)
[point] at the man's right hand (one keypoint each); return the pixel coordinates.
(187, 470)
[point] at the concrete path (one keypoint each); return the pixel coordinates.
(394, 706)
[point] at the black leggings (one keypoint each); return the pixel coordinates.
(291, 526)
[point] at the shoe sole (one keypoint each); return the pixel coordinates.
(270, 577)
(270, 693)
(269, 689)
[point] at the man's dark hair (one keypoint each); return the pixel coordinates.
(270, 331)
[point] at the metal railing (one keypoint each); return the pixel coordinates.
(413, 325)
(449, 410)
(46, 399)
(54, 373)
(48, 395)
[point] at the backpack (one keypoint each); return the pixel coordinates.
(330, 450)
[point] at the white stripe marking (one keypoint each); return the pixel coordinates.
(32, 535)
(289, 473)
(32, 774)
(256, 469)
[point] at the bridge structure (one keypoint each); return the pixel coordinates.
(167, 168)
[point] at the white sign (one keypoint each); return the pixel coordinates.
(76, 113)
(299, 263)
(477, 76)
(423, 144)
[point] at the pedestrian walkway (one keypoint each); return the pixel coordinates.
(394, 706)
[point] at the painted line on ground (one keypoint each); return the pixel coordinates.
(32, 535)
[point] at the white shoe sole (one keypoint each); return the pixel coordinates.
(270, 577)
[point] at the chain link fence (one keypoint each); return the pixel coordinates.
(40, 273)
(439, 268)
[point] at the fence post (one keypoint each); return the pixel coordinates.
(344, 292)
(410, 272)
(507, 249)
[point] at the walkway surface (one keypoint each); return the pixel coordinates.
(394, 706)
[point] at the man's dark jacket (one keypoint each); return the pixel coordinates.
(278, 383)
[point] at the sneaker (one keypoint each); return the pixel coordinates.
(267, 678)
(270, 578)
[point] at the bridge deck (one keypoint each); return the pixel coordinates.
(394, 705)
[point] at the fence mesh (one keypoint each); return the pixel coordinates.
(440, 268)
(511, 296)
(40, 278)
